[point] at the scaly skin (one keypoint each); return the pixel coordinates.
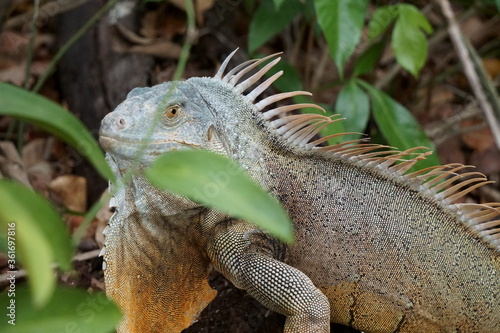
(375, 249)
(170, 299)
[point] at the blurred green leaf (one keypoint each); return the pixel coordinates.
(268, 21)
(28, 106)
(381, 19)
(498, 4)
(368, 60)
(69, 310)
(342, 22)
(353, 104)
(40, 236)
(218, 182)
(408, 39)
(398, 125)
(278, 3)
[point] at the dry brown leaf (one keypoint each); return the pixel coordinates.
(179, 4)
(471, 28)
(160, 48)
(492, 67)
(148, 26)
(11, 164)
(171, 23)
(103, 215)
(13, 51)
(99, 236)
(70, 191)
(13, 44)
(201, 7)
(479, 140)
(441, 95)
(486, 161)
(96, 284)
(451, 152)
(14, 74)
(126, 40)
(35, 151)
(74, 221)
(131, 36)
(40, 175)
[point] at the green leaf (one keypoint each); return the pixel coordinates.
(268, 21)
(398, 125)
(28, 106)
(368, 60)
(342, 22)
(218, 182)
(39, 236)
(498, 4)
(70, 310)
(381, 19)
(412, 15)
(278, 3)
(408, 40)
(353, 103)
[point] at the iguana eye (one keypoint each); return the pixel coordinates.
(172, 112)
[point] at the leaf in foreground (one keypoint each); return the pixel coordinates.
(218, 182)
(40, 237)
(70, 310)
(49, 116)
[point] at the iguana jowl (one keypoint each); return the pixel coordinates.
(377, 248)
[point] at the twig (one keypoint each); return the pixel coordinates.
(78, 257)
(86, 255)
(469, 69)
(31, 45)
(4, 11)
(70, 43)
(89, 216)
(442, 130)
(27, 71)
(320, 68)
(191, 35)
(49, 9)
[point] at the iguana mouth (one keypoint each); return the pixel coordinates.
(109, 143)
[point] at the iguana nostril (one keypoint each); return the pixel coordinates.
(121, 123)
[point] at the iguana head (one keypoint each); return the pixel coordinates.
(154, 120)
(215, 113)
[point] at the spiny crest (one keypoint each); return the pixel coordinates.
(297, 129)
(439, 182)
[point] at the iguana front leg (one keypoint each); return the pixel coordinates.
(248, 262)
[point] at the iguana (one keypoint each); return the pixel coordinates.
(378, 247)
